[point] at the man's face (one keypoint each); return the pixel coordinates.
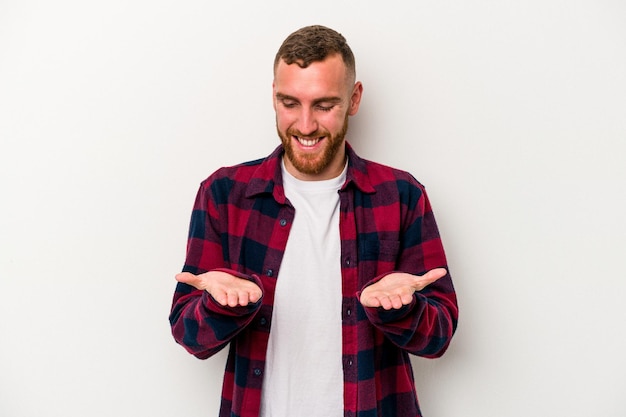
(312, 107)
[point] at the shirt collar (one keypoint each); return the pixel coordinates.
(268, 176)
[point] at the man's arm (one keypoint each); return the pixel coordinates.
(211, 304)
(415, 305)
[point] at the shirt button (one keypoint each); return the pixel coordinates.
(269, 272)
(283, 222)
(263, 321)
(349, 362)
(349, 312)
(347, 261)
(257, 372)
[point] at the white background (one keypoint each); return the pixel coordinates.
(513, 114)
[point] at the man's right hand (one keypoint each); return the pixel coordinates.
(225, 288)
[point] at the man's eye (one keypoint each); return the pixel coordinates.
(325, 108)
(289, 104)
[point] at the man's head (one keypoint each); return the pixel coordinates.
(313, 44)
(314, 93)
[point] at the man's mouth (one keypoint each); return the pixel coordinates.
(308, 142)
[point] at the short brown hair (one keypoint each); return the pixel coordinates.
(315, 43)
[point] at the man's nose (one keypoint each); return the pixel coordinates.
(307, 123)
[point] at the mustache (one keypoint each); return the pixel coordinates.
(317, 134)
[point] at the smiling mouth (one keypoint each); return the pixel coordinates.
(308, 142)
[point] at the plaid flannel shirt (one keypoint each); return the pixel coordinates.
(240, 224)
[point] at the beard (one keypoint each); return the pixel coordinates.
(313, 164)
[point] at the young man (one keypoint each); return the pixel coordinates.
(321, 270)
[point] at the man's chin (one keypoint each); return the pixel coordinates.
(308, 166)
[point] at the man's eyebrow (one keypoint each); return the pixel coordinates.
(281, 96)
(330, 99)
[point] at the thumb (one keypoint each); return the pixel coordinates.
(434, 274)
(183, 276)
(188, 278)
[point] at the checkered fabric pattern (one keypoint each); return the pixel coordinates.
(240, 224)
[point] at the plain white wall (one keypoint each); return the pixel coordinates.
(513, 114)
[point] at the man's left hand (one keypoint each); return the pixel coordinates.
(396, 289)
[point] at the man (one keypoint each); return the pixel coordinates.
(321, 271)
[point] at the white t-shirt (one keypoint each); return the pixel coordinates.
(303, 374)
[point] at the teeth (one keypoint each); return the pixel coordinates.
(307, 142)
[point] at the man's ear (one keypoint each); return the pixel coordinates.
(274, 95)
(355, 99)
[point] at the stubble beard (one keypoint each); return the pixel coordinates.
(313, 164)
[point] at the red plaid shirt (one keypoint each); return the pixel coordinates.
(240, 224)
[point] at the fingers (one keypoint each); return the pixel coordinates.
(369, 301)
(396, 290)
(393, 301)
(387, 302)
(244, 293)
(234, 298)
(221, 298)
(243, 298)
(226, 289)
(254, 295)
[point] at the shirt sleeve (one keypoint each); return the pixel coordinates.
(426, 325)
(198, 322)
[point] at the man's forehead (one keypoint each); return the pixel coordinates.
(332, 63)
(328, 77)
